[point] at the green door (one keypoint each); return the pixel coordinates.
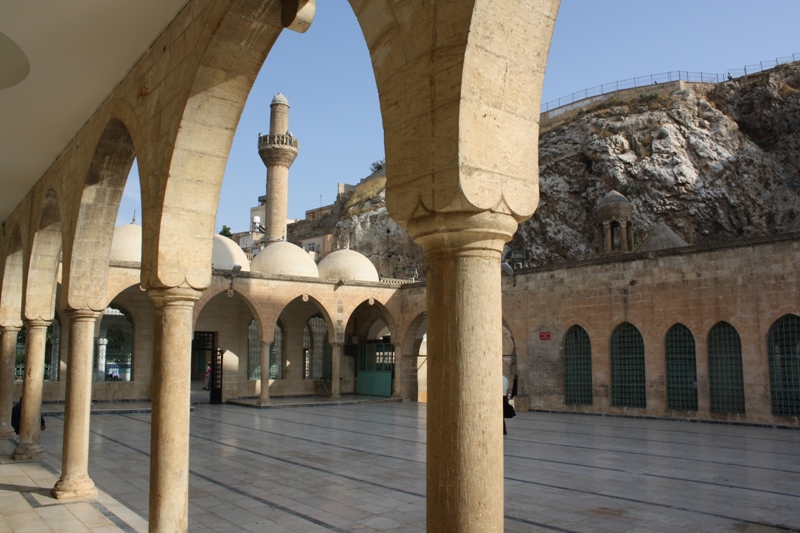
(375, 367)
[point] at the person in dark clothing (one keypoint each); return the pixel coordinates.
(16, 417)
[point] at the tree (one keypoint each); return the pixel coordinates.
(226, 231)
(377, 165)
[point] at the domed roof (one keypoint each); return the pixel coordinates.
(612, 197)
(284, 259)
(226, 253)
(347, 265)
(126, 245)
(613, 206)
(280, 99)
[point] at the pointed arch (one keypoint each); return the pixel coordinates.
(11, 295)
(725, 370)
(628, 386)
(783, 348)
(39, 293)
(577, 367)
(85, 262)
(681, 363)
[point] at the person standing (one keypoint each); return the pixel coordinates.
(207, 383)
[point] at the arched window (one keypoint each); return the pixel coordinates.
(113, 354)
(681, 369)
(577, 367)
(725, 375)
(51, 352)
(783, 347)
(627, 367)
(276, 353)
(253, 352)
(316, 349)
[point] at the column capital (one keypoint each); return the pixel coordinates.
(10, 329)
(37, 323)
(82, 315)
(173, 296)
(463, 231)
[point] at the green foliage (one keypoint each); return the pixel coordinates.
(377, 165)
(226, 231)
(629, 189)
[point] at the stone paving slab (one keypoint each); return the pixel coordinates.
(360, 466)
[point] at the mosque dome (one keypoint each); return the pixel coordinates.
(347, 265)
(613, 206)
(226, 253)
(284, 259)
(280, 99)
(126, 245)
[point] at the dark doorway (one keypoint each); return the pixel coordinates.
(203, 346)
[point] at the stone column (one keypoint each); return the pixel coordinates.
(608, 238)
(623, 236)
(465, 415)
(30, 420)
(397, 378)
(263, 399)
(171, 395)
(336, 369)
(75, 481)
(8, 356)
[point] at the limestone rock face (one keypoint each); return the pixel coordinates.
(713, 162)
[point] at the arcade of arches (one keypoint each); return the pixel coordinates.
(459, 85)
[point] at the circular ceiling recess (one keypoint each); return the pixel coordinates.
(14, 65)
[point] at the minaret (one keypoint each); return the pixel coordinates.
(278, 150)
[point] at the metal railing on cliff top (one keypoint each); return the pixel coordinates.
(666, 77)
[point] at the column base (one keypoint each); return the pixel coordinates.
(262, 403)
(334, 397)
(28, 452)
(67, 488)
(7, 431)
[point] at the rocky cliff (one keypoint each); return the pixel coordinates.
(713, 162)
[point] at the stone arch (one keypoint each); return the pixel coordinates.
(11, 295)
(39, 293)
(294, 316)
(380, 309)
(628, 384)
(680, 355)
(415, 386)
(230, 58)
(783, 348)
(725, 369)
(89, 241)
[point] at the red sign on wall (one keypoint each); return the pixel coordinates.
(544, 335)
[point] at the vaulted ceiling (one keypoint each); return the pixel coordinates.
(58, 61)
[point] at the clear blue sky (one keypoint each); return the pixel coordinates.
(327, 77)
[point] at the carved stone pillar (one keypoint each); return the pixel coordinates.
(465, 416)
(336, 366)
(8, 355)
(171, 394)
(30, 419)
(75, 481)
(263, 398)
(397, 378)
(624, 246)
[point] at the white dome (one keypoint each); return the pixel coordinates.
(284, 259)
(347, 265)
(227, 253)
(126, 245)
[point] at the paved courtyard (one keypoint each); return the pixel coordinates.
(361, 467)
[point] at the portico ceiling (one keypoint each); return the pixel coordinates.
(77, 52)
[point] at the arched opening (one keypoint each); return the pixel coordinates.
(370, 350)
(114, 352)
(783, 347)
(416, 345)
(52, 349)
(628, 387)
(725, 372)
(316, 349)
(681, 362)
(577, 367)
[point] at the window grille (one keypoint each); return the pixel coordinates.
(627, 367)
(783, 347)
(253, 352)
(577, 367)
(681, 365)
(276, 354)
(725, 374)
(315, 347)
